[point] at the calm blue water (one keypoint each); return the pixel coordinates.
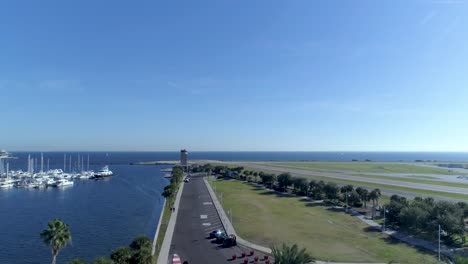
(123, 158)
(106, 214)
(102, 215)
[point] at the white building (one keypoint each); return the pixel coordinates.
(184, 157)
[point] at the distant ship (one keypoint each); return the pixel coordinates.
(104, 172)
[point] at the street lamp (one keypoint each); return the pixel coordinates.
(441, 231)
(347, 201)
(384, 211)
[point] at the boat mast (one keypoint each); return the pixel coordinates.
(64, 162)
(69, 167)
(88, 164)
(42, 162)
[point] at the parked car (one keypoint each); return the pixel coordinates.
(220, 238)
(230, 241)
(217, 233)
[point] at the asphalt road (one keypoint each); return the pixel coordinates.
(197, 217)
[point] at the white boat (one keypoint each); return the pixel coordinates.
(33, 185)
(51, 182)
(104, 172)
(7, 183)
(63, 182)
(86, 175)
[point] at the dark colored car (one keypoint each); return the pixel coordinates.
(230, 241)
(220, 238)
(217, 233)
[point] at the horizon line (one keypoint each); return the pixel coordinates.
(338, 151)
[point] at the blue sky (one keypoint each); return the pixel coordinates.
(234, 75)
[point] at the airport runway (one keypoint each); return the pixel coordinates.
(345, 176)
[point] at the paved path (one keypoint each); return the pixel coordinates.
(164, 252)
(197, 218)
(153, 250)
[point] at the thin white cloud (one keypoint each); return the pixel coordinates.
(60, 85)
(172, 84)
(448, 2)
(428, 17)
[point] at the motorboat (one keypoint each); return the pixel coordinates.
(63, 182)
(51, 182)
(33, 185)
(86, 175)
(7, 183)
(104, 172)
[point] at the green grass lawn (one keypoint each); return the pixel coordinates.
(162, 229)
(266, 219)
(377, 167)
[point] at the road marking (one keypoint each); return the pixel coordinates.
(214, 227)
(175, 259)
(207, 203)
(203, 216)
(206, 224)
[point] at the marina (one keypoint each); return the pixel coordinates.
(103, 214)
(36, 177)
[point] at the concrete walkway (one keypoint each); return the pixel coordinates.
(444, 250)
(153, 250)
(163, 257)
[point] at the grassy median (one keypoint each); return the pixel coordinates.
(267, 218)
(166, 215)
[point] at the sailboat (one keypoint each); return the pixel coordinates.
(7, 183)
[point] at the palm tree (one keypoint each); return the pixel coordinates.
(76, 261)
(291, 255)
(374, 197)
(141, 242)
(57, 237)
(102, 260)
(364, 194)
(121, 255)
(377, 191)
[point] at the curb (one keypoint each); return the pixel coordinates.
(157, 229)
(164, 252)
(228, 225)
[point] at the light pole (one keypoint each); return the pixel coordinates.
(439, 242)
(230, 214)
(346, 201)
(384, 211)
